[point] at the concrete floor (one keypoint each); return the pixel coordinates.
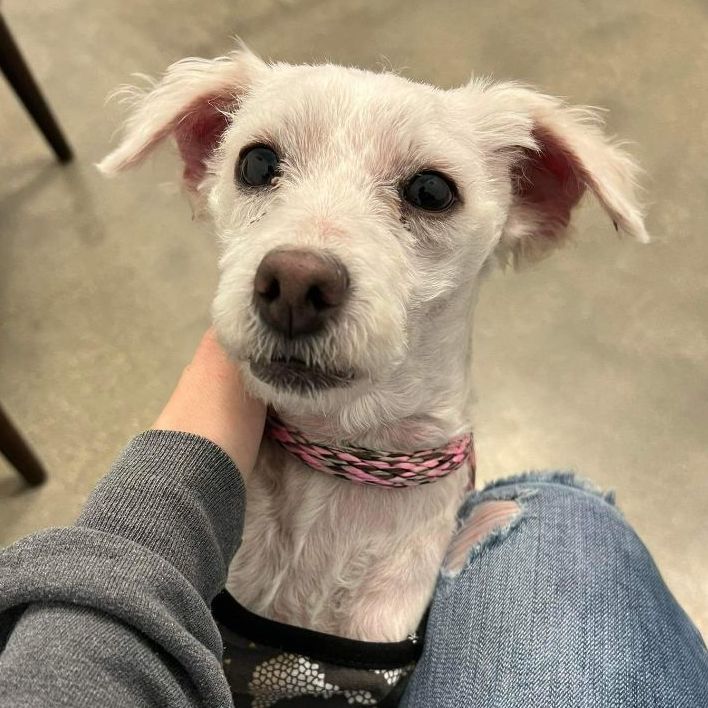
(596, 359)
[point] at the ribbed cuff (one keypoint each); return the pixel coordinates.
(180, 496)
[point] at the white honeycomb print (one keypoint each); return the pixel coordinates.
(288, 676)
(359, 698)
(391, 676)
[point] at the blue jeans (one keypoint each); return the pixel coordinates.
(561, 608)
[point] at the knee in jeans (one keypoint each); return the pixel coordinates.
(488, 521)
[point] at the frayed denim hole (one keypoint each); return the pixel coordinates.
(488, 523)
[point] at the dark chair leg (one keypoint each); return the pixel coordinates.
(18, 453)
(20, 78)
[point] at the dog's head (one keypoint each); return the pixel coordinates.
(357, 210)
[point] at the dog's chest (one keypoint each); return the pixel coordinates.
(351, 560)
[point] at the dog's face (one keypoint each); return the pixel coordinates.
(363, 206)
(356, 212)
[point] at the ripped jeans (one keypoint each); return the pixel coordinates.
(557, 604)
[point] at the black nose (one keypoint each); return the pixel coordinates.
(297, 291)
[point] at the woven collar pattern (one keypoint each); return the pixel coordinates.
(385, 469)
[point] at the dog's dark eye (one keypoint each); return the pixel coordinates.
(430, 191)
(258, 166)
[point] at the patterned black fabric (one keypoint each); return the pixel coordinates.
(270, 663)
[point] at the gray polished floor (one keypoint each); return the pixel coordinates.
(596, 359)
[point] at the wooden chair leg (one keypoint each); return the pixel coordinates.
(18, 74)
(18, 453)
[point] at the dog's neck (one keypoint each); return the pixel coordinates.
(405, 434)
(383, 468)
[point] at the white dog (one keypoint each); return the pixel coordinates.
(357, 213)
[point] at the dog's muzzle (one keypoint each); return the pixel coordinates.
(296, 292)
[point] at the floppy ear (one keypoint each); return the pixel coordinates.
(567, 155)
(192, 103)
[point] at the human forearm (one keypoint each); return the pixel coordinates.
(132, 580)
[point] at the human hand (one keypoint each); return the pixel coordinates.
(210, 401)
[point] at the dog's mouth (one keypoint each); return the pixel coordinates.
(295, 375)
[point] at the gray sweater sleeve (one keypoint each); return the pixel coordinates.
(114, 611)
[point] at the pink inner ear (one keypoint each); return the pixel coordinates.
(197, 134)
(549, 182)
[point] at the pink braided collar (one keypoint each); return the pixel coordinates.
(384, 469)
